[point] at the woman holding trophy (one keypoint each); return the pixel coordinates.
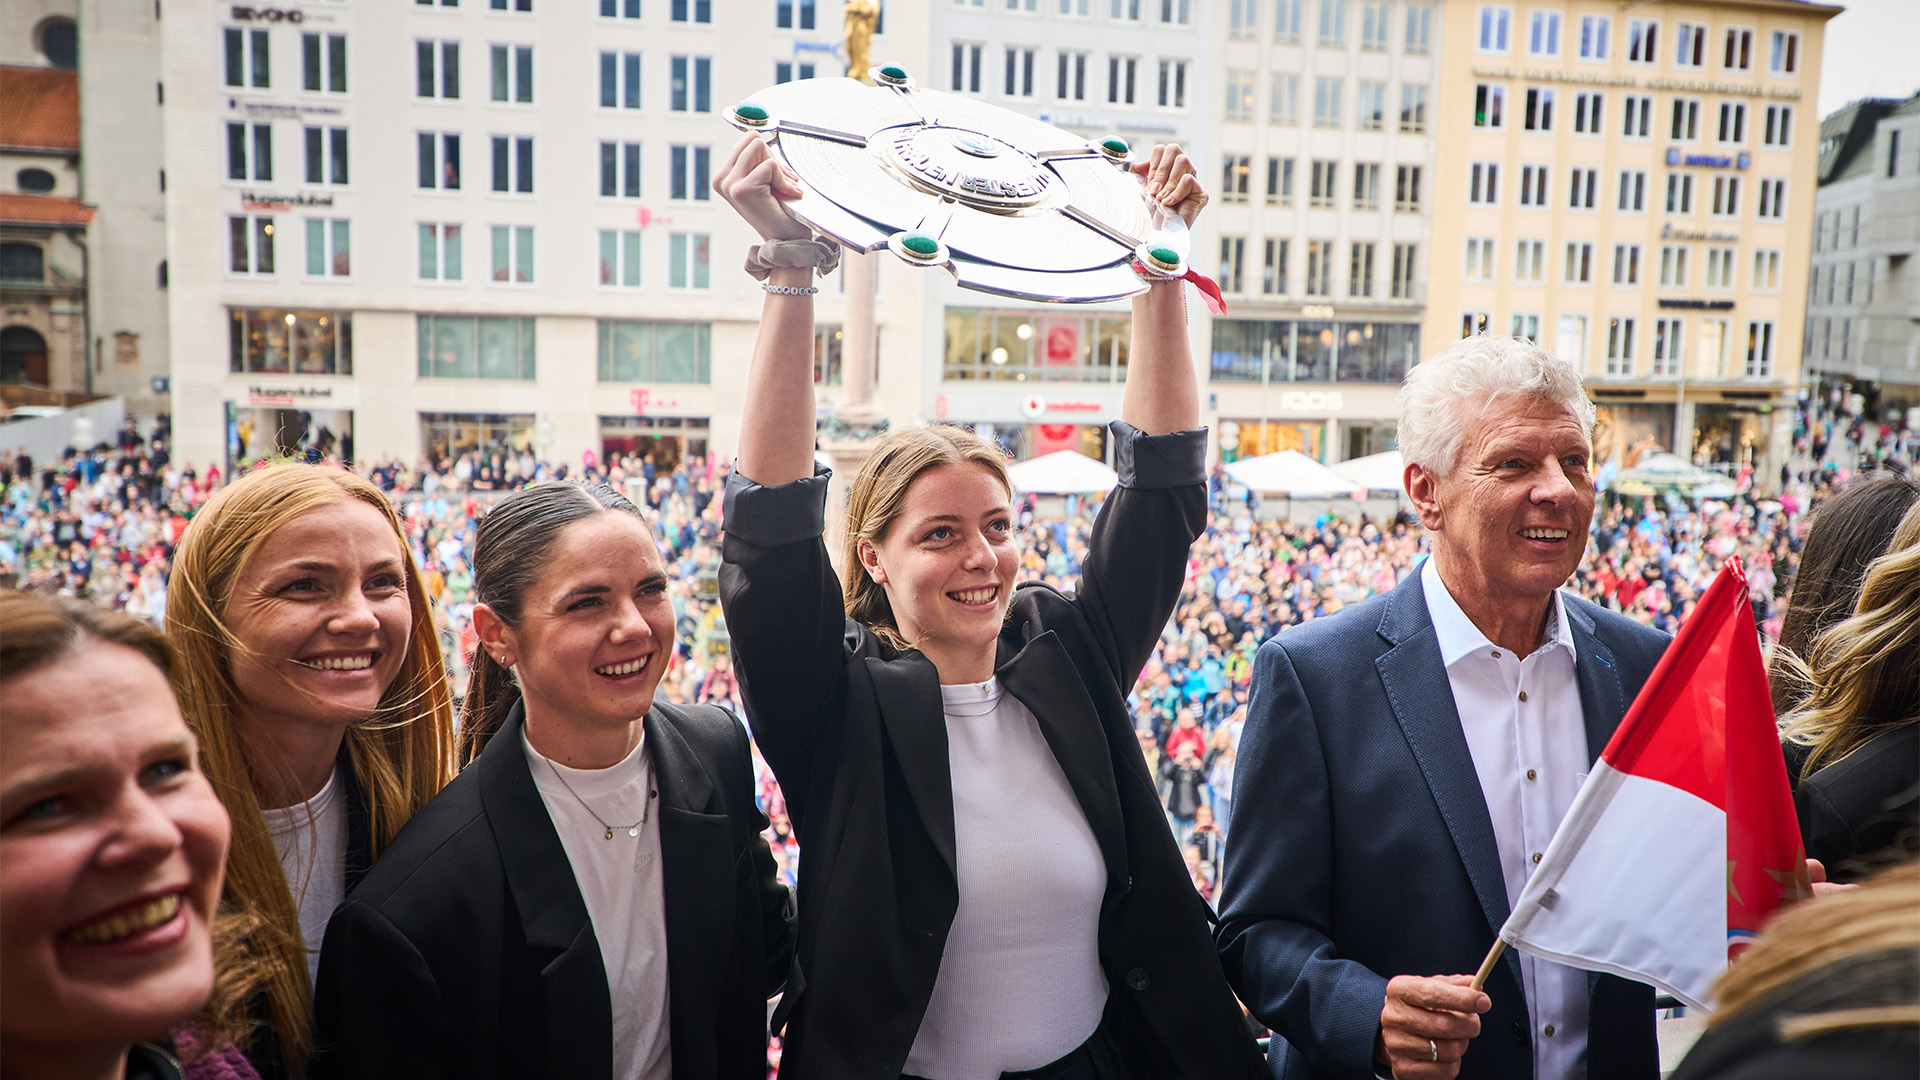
(990, 889)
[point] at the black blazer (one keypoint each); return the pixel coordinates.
(1361, 846)
(1864, 805)
(467, 951)
(853, 730)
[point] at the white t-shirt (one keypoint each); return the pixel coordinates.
(311, 838)
(621, 881)
(1020, 983)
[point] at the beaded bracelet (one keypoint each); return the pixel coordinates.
(790, 290)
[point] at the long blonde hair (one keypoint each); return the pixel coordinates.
(878, 495)
(1864, 671)
(1864, 935)
(401, 758)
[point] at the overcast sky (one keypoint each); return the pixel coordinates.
(1870, 52)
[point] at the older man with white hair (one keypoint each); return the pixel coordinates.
(1405, 762)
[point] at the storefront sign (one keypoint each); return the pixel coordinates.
(1697, 305)
(643, 400)
(287, 395)
(1668, 232)
(1548, 75)
(1316, 311)
(242, 13)
(257, 200)
(1313, 401)
(268, 110)
(1584, 78)
(1708, 161)
(1036, 406)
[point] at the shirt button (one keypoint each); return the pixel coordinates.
(1496, 654)
(1536, 858)
(1531, 775)
(1549, 1031)
(1137, 978)
(1523, 695)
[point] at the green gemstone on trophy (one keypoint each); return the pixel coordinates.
(1165, 257)
(750, 113)
(1115, 145)
(894, 72)
(921, 244)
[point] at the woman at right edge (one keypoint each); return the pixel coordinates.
(990, 889)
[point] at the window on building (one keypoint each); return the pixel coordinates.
(275, 341)
(1072, 85)
(1539, 115)
(1673, 266)
(1719, 268)
(1406, 189)
(1692, 41)
(1760, 347)
(690, 171)
(1239, 96)
(513, 253)
(1366, 187)
(794, 14)
(1583, 193)
(1360, 269)
(1633, 191)
(1785, 56)
(1373, 25)
(1319, 268)
(323, 65)
(1686, 120)
(1234, 178)
(1619, 346)
(443, 56)
(620, 170)
(1738, 55)
(620, 257)
(329, 247)
(1121, 74)
(1419, 30)
(1726, 196)
(1273, 269)
(1494, 24)
(689, 265)
(1333, 24)
(1286, 21)
(513, 163)
(1120, 10)
(1019, 71)
(1543, 34)
(1480, 259)
(699, 11)
(1174, 12)
(1489, 101)
(249, 145)
(1626, 264)
(1173, 84)
(1243, 19)
(1679, 193)
(1283, 110)
(516, 5)
(691, 84)
(439, 251)
(1404, 260)
(1525, 326)
(1893, 153)
(619, 80)
(1594, 32)
(1370, 112)
(1766, 273)
(609, 9)
(966, 67)
(1413, 109)
(1530, 262)
(655, 352)
(248, 60)
(1483, 183)
(1533, 185)
(1642, 41)
(1773, 199)
(1233, 257)
(464, 347)
(1779, 126)
(1733, 122)
(250, 244)
(326, 155)
(1579, 269)
(1588, 111)
(1475, 322)
(1279, 181)
(439, 159)
(1321, 188)
(1668, 335)
(1639, 116)
(786, 71)
(1326, 102)
(512, 71)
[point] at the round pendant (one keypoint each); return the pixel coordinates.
(609, 832)
(635, 831)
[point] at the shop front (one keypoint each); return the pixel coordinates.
(270, 425)
(663, 441)
(446, 436)
(1624, 431)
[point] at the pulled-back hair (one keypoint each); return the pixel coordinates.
(879, 494)
(510, 549)
(1479, 370)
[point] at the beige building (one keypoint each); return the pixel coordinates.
(1633, 187)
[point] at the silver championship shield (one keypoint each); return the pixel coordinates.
(1007, 204)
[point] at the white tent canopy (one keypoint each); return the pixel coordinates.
(1289, 472)
(1383, 472)
(1669, 470)
(1063, 472)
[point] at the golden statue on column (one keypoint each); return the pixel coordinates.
(862, 16)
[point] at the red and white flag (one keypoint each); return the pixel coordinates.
(1683, 839)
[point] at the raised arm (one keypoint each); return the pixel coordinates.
(776, 434)
(1163, 393)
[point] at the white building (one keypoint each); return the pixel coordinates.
(419, 228)
(1863, 303)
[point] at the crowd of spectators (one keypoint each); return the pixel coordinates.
(102, 525)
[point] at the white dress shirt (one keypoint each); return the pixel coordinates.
(622, 881)
(1527, 734)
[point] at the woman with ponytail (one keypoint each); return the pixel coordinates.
(988, 888)
(591, 897)
(309, 671)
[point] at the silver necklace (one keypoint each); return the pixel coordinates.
(631, 830)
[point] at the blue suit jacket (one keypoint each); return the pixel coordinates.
(1361, 847)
